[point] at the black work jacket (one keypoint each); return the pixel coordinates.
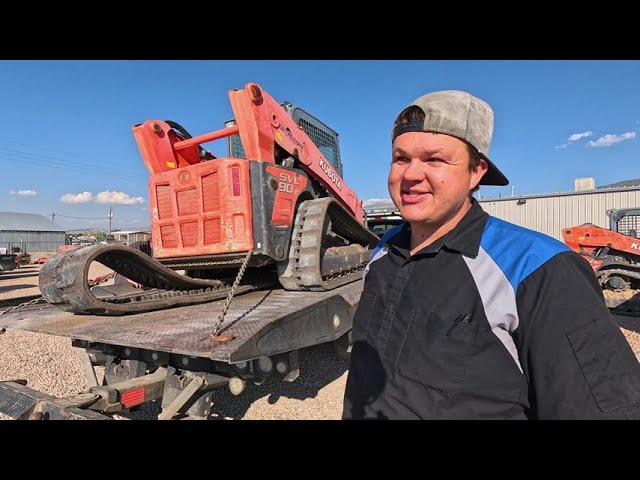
(491, 321)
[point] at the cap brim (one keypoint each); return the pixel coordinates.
(493, 175)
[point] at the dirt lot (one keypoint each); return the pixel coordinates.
(52, 365)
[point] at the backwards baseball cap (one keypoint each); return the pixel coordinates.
(460, 115)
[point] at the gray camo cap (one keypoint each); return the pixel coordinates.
(460, 115)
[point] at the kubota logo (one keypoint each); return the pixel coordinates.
(330, 173)
(184, 177)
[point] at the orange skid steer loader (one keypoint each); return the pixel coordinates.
(276, 207)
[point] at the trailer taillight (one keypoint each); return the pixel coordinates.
(235, 181)
(132, 397)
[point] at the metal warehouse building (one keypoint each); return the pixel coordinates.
(29, 232)
(130, 236)
(552, 212)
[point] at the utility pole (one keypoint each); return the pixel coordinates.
(110, 216)
(53, 217)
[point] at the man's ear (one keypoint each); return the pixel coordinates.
(478, 173)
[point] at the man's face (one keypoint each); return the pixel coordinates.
(430, 179)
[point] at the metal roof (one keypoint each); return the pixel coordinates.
(626, 183)
(129, 232)
(378, 203)
(29, 222)
(595, 191)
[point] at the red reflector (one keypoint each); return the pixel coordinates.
(132, 397)
(235, 180)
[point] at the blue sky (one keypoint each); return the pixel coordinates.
(66, 125)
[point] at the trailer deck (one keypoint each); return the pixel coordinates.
(262, 323)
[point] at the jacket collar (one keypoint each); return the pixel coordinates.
(465, 238)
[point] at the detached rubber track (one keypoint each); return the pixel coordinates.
(64, 283)
(311, 266)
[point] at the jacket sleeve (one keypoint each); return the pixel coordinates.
(577, 362)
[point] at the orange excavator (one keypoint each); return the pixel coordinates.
(276, 207)
(614, 255)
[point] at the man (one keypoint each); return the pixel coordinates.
(466, 316)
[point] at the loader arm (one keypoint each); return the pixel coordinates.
(589, 238)
(263, 124)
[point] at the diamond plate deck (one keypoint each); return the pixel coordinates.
(263, 323)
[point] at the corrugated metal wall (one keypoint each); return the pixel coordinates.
(129, 238)
(138, 237)
(550, 214)
(32, 241)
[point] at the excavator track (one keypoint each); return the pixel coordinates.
(64, 283)
(317, 260)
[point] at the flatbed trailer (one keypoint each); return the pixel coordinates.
(168, 356)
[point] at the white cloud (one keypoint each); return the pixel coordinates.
(118, 198)
(577, 136)
(24, 193)
(608, 140)
(564, 145)
(83, 197)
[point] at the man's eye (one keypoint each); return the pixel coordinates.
(399, 159)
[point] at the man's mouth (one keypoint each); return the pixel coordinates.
(409, 197)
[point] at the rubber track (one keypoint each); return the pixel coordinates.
(307, 268)
(64, 283)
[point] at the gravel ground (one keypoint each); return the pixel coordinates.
(52, 365)
(634, 340)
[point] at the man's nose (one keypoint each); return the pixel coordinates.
(413, 171)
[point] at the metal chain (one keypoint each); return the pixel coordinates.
(102, 279)
(22, 305)
(203, 264)
(231, 293)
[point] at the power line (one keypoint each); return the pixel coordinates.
(80, 218)
(39, 147)
(68, 165)
(68, 161)
(65, 160)
(85, 170)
